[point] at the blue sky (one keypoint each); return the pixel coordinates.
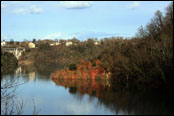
(82, 19)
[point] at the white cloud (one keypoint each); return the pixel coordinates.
(82, 35)
(30, 10)
(53, 36)
(60, 36)
(99, 35)
(75, 4)
(35, 9)
(20, 11)
(77, 108)
(134, 5)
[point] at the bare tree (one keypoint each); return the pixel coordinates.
(9, 103)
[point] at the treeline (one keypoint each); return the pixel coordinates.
(141, 62)
(146, 60)
(62, 55)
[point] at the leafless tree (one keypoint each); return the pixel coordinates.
(9, 103)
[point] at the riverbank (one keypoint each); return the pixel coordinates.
(8, 62)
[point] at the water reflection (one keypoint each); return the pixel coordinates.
(121, 101)
(30, 73)
(18, 71)
(87, 97)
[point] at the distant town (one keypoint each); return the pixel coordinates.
(35, 44)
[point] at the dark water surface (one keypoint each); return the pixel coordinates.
(84, 97)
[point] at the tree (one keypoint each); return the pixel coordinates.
(11, 41)
(44, 46)
(17, 43)
(141, 32)
(9, 100)
(169, 14)
(56, 40)
(72, 67)
(34, 40)
(168, 20)
(75, 40)
(62, 42)
(90, 44)
(159, 19)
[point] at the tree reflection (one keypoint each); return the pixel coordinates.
(42, 73)
(73, 90)
(121, 101)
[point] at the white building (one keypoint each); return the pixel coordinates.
(31, 45)
(54, 44)
(96, 43)
(69, 43)
(57, 43)
(3, 43)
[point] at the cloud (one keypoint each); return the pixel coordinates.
(36, 10)
(30, 10)
(81, 35)
(80, 108)
(75, 4)
(53, 36)
(134, 5)
(20, 11)
(77, 108)
(69, 36)
(99, 35)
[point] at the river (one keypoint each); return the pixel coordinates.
(68, 97)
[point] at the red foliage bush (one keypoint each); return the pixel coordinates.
(84, 71)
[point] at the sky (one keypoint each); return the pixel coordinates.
(81, 19)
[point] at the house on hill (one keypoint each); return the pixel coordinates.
(96, 43)
(54, 44)
(31, 45)
(69, 43)
(3, 43)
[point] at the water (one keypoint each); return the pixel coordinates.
(79, 97)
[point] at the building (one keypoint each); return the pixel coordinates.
(69, 43)
(57, 43)
(96, 43)
(31, 45)
(3, 43)
(54, 44)
(32, 75)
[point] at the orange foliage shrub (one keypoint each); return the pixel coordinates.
(84, 71)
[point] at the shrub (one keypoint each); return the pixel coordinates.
(93, 64)
(72, 67)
